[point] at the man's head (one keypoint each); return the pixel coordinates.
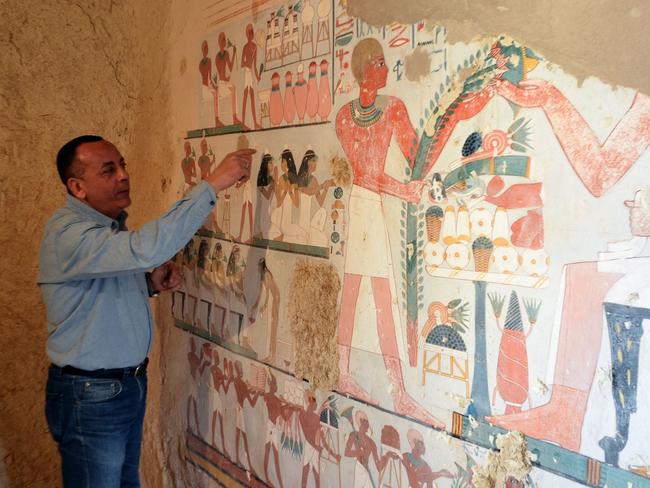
(94, 171)
(222, 41)
(273, 383)
(188, 148)
(204, 48)
(310, 400)
(239, 369)
(363, 425)
(416, 441)
(368, 63)
(249, 32)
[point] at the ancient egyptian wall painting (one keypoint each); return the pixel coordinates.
(487, 218)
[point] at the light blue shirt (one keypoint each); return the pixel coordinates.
(91, 275)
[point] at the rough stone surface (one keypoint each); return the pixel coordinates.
(68, 68)
(564, 32)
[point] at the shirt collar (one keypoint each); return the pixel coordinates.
(81, 208)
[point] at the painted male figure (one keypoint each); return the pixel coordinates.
(188, 165)
(315, 441)
(361, 447)
(274, 407)
(243, 393)
(224, 62)
(249, 65)
(365, 128)
(208, 88)
(92, 277)
(219, 380)
(419, 472)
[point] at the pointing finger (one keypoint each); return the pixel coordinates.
(244, 152)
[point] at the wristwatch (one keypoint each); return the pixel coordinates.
(150, 288)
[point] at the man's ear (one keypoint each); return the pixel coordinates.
(75, 187)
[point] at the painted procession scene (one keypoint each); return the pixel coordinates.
(440, 257)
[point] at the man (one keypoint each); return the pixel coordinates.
(315, 441)
(208, 88)
(188, 166)
(249, 65)
(95, 285)
(206, 160)
(219, 380)
(418, 470)
(361, 447)
(365, 128)
(274, 407)
(224, 63)
(243, 392)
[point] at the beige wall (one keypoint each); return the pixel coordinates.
(600, 38)
(68, 69)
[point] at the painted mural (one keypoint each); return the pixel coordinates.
(488, 219)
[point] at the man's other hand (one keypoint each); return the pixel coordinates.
(166, 277)
(235, 167)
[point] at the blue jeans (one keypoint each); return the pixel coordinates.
(97, 424)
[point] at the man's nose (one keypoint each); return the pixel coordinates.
(122, 174)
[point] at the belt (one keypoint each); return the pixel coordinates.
(116, 373)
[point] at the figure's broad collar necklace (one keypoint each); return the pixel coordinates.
(366, 116)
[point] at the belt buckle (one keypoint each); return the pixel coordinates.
(141, 368)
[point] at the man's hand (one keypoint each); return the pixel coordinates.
(166, 277)
(415, 188)
(235, 167)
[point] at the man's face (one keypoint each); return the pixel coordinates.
(103, 182)
(204, 48)
(364, 425)
(418, 448)
(222, 41)
(376, 73)
(249, 32)
(311, 402)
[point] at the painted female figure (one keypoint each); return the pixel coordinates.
(266, 188)
(365, 127)
(235, 274)
(311, 189)
(288, 198)
(217, 268)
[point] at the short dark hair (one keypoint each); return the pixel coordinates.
(68, 153)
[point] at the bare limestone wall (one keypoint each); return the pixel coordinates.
(68, 68)
(584, 36)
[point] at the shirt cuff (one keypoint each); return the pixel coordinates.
(150, 288)
(206, 188)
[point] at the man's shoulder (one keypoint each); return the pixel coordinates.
(65, 216)
(388, 102)
(66, 219)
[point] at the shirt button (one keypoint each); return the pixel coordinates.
(212, 202)
(113, 225)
